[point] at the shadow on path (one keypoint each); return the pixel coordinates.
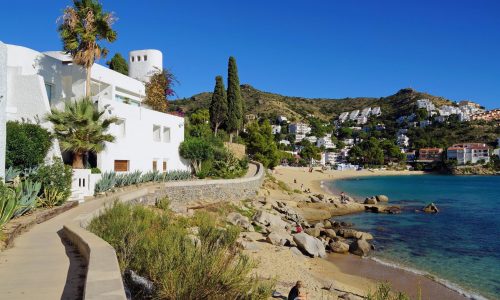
(75, 279)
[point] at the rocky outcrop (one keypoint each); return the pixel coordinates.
(370, 200)
(330, 233)
(239, 220)
(360, 247)
(382, 198)
(314, 232)
(278, 239)
(339, 247)
(431, 208)
(267, 219)
(310, 245)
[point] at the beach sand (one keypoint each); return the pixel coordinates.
(343, 272)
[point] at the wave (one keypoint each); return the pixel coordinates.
(452, 286)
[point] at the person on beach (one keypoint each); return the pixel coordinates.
(302, 294)
(295, 180)
(294, 292)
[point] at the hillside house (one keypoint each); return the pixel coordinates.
(469, 153)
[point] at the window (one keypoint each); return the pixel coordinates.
(120, 128)
(166, 135)
(138, 58)
(121, 165)
(165, 165)
(156, 133)
(145, 57)
(132, 58)
(49, 89)
(155, 165)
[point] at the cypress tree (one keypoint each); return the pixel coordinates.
(234, 99)
(218, 106)
(118, 63)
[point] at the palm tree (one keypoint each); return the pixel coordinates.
(81, 128)
(82, 27)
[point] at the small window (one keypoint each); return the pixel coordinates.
(145, 57)
(49, 89)
(121, 165)
(156, 133)
(120, 125)
(138, 58)
(132, 58)
(155, 165)
(166, 135)
(164, 165)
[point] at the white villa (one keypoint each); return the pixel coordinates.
(469, 153)
(326, 141)
(299, 128)
(32, 82)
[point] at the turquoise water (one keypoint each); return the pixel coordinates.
(461, 244)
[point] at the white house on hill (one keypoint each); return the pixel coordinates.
(32, 82)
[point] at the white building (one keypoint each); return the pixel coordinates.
(403, 140)
(312, 139)
(361, 120)
(285, 142)
(145, 139)
(282, 119)
(326, 142)
(354, 114)
(376, 111)
(468, 153)
(144, 63)
(330, 158)
(343, 117)
(299, 137)
(366, 111)
(425, 104)
(299, 128)
(275, 129)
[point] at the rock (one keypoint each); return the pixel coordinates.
(287, 212)
(320, 196)
(373, 209)
(339, 247)
(319, 225)
(345, 224)
(330, 233)
(360, 247)
(382, 198)
(268, 219)
(315, 199)
(370, 200)
(327, 224)
(310, 245)
(364, 235)
(315, 232)
(347, 233)
(393, 210)
(296, 251)
(239, 220)
(251, 246)
(345, 296)
(431, 208)
(276, 239)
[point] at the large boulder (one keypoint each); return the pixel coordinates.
(267, 219)
(363, 235)
(239, 220)
(382, 198)
(360, 247)
(315, 232)
(330, 233)
(339, 247)
(277, 239)
(347, 233)
(309, 245)
(371, 200)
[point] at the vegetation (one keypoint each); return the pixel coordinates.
(118, 64)
(181, 265)
(158, 89)
(27, 144)
(8, 204)
(236, 107)
(55, 179)
(197, 150)
(81, 128)
(261, 145)
(82, 27)
(384, 292)
(218, 106)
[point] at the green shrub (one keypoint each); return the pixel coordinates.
(107, 182)
(51, 197)
(163, 203)
(384, 292)
(8, 204)
(55, 177)
(27, 144)
(159, 247)
(95, 170)
(26, 196)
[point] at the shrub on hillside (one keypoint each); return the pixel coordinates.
(27, 144)
(56, 181)
(180, 265)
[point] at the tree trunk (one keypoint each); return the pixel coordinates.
(87, 82)
(231, 137)
(78, 161)
(215, 129)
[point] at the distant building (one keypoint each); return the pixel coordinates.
(430, 154)
(299, 128)
(403, 140)
(424, 123)
(426, 104)
(343, 117)
(330, 158)
(276, 129)
(250, 117)
(326, 142)
(376, 111)
(360, 120)
(348, 142)
(496, 152)
(285, 142)
(282, 119)
(491, 115)
(299, 137)
(354, 114)
(411, 155)
(366, 111)
(312, 139)
(469, 153)
(440, 119)
(380, 127)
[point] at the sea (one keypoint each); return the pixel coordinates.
(459, 246)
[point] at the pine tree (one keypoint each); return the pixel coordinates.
(118, 64)
(234, 100)
(218, 106)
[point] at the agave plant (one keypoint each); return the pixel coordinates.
(51, 197)
(151, 176)
(8, 204)
(11, 173)
(26, 196)
(177, 175)
(107, 182)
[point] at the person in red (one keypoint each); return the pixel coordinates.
(298, 229)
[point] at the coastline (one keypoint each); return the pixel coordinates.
(373, 269)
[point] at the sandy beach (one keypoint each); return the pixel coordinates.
(339, 272)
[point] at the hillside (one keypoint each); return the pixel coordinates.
(267, 104)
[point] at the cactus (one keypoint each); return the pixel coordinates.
(8, 204)
(26, 196)
(52, 197)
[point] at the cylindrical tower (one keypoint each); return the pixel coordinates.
(143, 63)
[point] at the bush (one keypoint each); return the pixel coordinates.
(384, 292)
(159, 247)
(55, 179)
(107, 182)
(95, 171)
(27, 144)
(8, 204)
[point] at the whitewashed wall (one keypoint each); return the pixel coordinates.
(3, 104)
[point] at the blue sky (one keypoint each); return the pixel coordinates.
(334, 49)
